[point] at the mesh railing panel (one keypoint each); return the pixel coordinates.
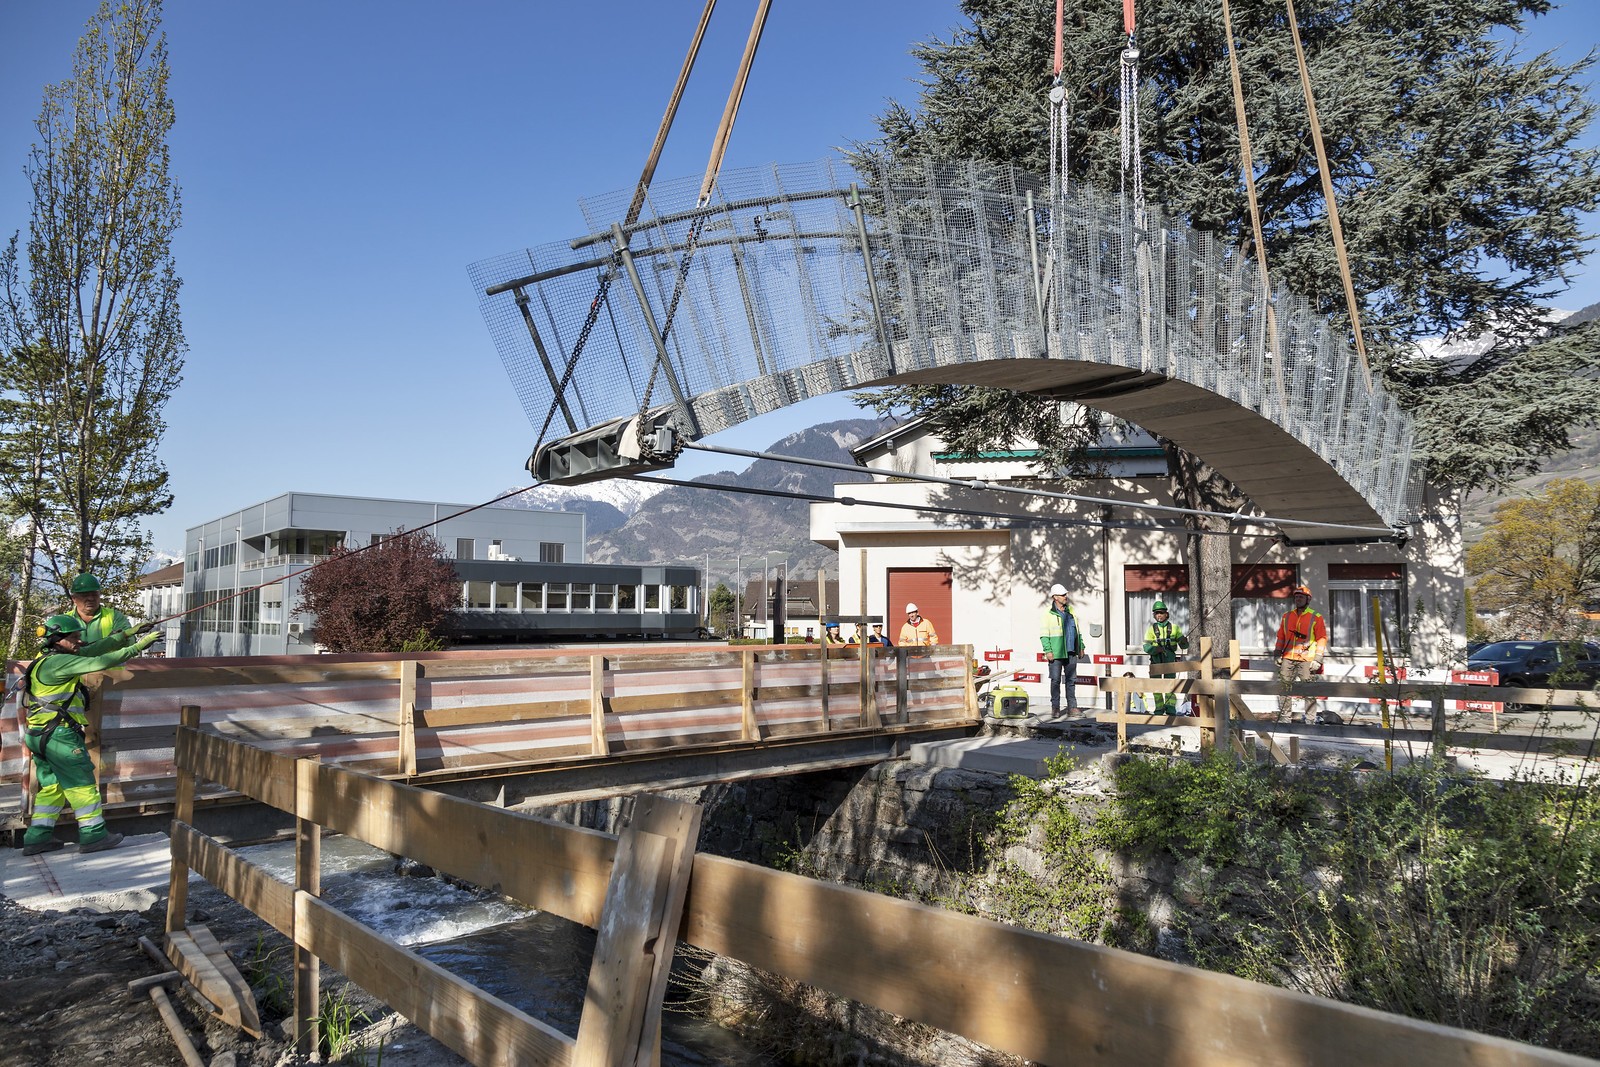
(765, 289)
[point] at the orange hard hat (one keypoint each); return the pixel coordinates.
(1302, 590)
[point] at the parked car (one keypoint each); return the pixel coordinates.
(1531, 664)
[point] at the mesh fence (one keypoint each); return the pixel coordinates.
(764, 297)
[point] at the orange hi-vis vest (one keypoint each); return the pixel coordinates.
(1303, 635)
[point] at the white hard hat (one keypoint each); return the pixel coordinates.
(1058, 590)
(911, 609)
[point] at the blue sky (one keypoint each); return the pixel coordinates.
(342, 162)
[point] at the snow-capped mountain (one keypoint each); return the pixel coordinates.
(606, 504)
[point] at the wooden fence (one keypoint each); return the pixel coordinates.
(1048, 999)
(458, 713)
(1218, 690)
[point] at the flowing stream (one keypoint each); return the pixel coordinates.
(536, 962)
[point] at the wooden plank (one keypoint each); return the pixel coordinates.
(547, 866)
(310, 670)
(207, 974)
(307, 879)
(615, 1003)
(750, 730)
(678, 824)
(182, 811)
(271, 900)
(206, 941)
(574, 707)
(262, 775)
(482, 1028)
(1049, 999)
(408, 717)
(1216, 733)
(597, 705)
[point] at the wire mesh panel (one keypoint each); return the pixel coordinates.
(796, 281)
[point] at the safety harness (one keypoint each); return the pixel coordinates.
(38, 736)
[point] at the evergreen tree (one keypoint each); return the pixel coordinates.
(91, 346)
(1458, 170)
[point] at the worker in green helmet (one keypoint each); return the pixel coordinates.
(56, 705)
(1162, 640)
(105, 629)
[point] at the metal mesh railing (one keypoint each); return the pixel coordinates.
(771, 292)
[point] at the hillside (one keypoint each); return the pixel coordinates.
(1583, 461)
(673, 523)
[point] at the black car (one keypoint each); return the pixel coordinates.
(1531, 664)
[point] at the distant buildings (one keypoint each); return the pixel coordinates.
(523, 575)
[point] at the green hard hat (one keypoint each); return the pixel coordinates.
(58, 626)
(85, 583)
(1158, 606)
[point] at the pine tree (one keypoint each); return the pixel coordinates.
(1458, 169)
(91, 344)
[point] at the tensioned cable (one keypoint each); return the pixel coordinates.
(1237, 517)
(935, 509)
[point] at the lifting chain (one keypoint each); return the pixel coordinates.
(646, 439)
(606, 276)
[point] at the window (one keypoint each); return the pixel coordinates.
(582, 596)
(271, 609)
(552, 552)
(1260, 597)
(1351, 589)
(555, 596)
(1143, 586)
(679, 598)
(627, 598)
(532, 596)
(505, 596)
(605, 598)
(217, 615)
(250, 611)
(303, 542)
(477, 596)
(463, 548)
(192, 563)
(652, 598)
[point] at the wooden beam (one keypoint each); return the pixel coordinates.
(254, 772)
(546, 865)
(182, 812)
(271, 900)
(307, 879)
(1050, 999)
(678, 824)
(198, 956)
(619, 976)
(597, 706)
(749, 728)
(408, 718)
(480, 1027)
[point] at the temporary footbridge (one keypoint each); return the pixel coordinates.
(695, 306)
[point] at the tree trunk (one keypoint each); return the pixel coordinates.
(25, 590)
(1209, 548)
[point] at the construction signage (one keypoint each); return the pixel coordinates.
(1026, 676)
(997, 655)
(1475, 677)
(1100, 657)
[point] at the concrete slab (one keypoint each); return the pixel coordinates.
(1003, 755)
(126, 878)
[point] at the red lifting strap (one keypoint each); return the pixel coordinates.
(1127, 17)
(1059, 4)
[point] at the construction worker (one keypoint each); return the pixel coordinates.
(917, 630)
(878, 637)
(831, 634)
(1302, 646)
(55, 702)
(1162, 640)
(1062, 640)
(100, 623)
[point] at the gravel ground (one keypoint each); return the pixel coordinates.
(64, 994)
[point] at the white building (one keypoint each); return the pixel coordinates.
(982, 579)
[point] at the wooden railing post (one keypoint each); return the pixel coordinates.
(1216, 733)
(597, 706)
(307, 879)
(182, 811)
(749, 729)
(408, 717)
(1438, 728)
(827, 720)
(1122, 720)
(901, 661)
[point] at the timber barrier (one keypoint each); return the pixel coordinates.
(1219, 691)
(1045, 998)
(452, 717)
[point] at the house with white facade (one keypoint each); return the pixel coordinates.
(981, 578)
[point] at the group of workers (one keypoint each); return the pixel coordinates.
(53, 713)
(915, 632)
(1298, 654)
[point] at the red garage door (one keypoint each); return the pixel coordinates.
(929, 589)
